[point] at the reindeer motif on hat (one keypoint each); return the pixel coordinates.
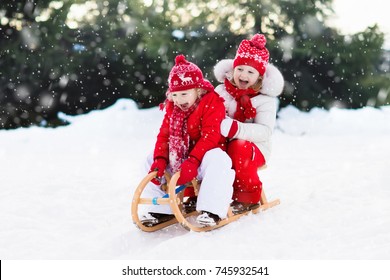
(185, 80)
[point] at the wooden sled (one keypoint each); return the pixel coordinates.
(175, 200)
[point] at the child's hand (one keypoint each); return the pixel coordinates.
(159, 164)
(189, 170)
(229, 128)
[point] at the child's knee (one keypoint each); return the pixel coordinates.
(240, 147)
(217, 157)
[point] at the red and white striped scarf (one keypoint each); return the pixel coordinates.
(179, 139)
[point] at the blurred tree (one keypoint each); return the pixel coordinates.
(321, 67)
(33, 55)
(75, 55)
(334, 70)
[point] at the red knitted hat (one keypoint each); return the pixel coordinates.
(186, 75)
(253, 53)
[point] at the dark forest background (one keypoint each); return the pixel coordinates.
(76, 56)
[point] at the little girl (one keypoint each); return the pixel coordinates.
(190, 141)
(250, 89)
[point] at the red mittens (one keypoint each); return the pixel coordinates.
(159, 164)
(229, 128)
(188, 170)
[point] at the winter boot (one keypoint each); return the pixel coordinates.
(241, 207)
(152, 219)
(190, 205)
(208, 219)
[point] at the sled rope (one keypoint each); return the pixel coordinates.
(177, 190)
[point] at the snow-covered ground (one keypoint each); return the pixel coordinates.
(66, 193)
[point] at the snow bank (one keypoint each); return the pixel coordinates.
(65, 193)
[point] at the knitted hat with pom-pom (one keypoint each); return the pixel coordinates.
(253, 53)
(186, 75)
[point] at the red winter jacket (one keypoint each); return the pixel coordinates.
(203, 128)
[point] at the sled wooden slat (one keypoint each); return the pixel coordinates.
(156, 227)
(159, 201)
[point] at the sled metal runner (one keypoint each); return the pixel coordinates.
(175, 200)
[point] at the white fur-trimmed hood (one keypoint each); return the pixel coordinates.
(223, 70)
(273, 81)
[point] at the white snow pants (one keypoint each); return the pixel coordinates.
(216, 190)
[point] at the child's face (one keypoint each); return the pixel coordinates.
(245, 76)
(184, 99)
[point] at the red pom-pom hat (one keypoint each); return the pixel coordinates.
(186, 75)
(253, 53)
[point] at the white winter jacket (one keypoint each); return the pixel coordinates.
(258, 130)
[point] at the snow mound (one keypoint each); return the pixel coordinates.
(66, 193)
